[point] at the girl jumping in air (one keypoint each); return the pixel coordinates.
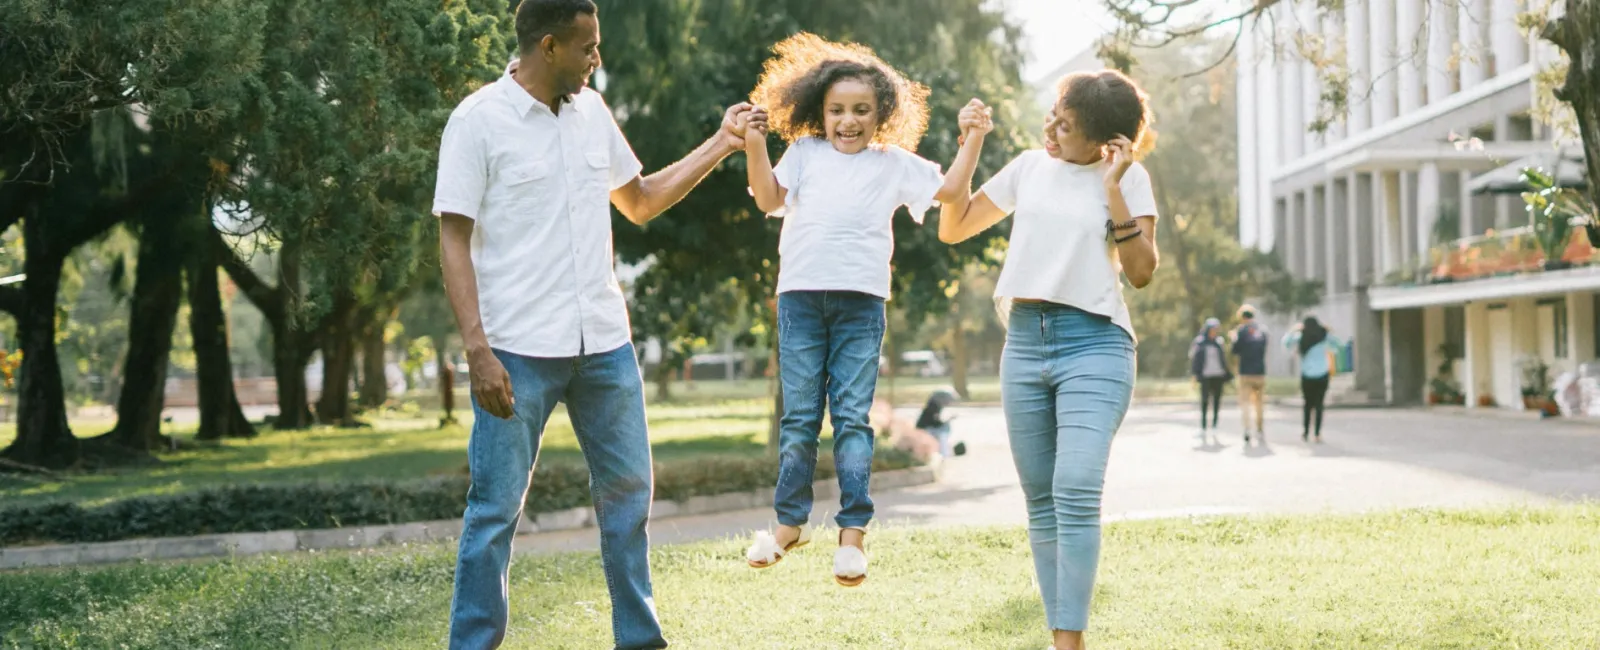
(851, 122)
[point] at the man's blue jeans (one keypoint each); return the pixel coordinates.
(604, 395)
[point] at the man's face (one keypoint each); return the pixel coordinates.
(575, 55)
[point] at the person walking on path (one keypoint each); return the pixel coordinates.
(1208, 365)
(1085, 219)
(1250, 355)
(529, 167)
(1317, 349)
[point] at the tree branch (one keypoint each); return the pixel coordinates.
(265, 297)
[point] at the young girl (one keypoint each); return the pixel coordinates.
(851, 121)
(1085, 220)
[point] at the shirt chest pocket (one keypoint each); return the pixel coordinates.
(527, 189)
(596, 170)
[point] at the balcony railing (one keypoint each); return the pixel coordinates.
(1497, 253)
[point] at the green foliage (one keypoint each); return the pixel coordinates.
(1552, 209)
(338, 160)
(300, 506)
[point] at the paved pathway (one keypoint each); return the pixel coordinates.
(1373, 459)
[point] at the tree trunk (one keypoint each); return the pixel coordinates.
(374, 381)
(157, 292)
(338, 360)
(663, 379)
(220, 413)
(958, 349)
(447, 381)
(290, 350)
(43, 437)
(1578, 34)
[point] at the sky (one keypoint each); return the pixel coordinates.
(1056, 30)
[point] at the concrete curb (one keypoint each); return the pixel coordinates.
(284, 541)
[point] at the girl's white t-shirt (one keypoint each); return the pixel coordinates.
(1059, 250)
(838, 215)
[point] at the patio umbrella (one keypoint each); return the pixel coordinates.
(1567, 166)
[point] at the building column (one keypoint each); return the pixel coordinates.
(1505, 40)
(1441, 38)
(1381, 20)
(1291, 234)
(1316, 230)
(1412, 54)
(1428, 185)
(1471, 18)
(1580, 327)
(1364, 269)
(1266, 146)
(1245, 100)
(1302, 224)
(1465, 211)
(1357, 55)
(1294, 127)
(1386, 210)
(1469, 353)
(1388, 360)
(1339, 234)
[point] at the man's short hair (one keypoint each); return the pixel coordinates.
(539, 18)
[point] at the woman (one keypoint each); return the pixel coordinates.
(1317, 350)
(1208, 365)
(1085, 214)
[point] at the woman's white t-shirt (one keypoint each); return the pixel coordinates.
(838, 214)
(1059, 249)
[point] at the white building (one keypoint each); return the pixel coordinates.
(1357, 207)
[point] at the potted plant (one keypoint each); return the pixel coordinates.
(1443, 388)
(1536, 391)
(1551, 211)
(1486, 401)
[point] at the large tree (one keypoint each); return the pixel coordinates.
(70, 164)
(341, 138)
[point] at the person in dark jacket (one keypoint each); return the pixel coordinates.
(1208, 363)
(936, 422)
(1250, 345)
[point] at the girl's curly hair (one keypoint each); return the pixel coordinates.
(795, 83)
(1107, 104)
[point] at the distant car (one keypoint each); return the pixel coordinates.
(922, 363)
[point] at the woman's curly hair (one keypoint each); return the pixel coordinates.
(795, 83)
(1107, 104)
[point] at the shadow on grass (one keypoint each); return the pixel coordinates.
(1018, 623)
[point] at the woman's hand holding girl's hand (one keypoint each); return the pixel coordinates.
(974, 119)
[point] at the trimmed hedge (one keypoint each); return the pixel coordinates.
(301, 506)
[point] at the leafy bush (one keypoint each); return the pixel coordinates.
(300, 506)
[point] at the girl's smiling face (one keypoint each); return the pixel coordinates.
(850, 115)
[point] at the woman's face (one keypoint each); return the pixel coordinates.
(1063, 140)
(1213, 331)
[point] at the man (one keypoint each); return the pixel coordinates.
(1250, 344)
(528, 169)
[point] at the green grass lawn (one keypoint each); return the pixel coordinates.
(1412, 580)
(399, 445)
